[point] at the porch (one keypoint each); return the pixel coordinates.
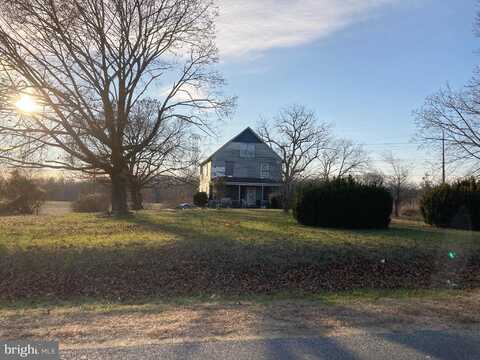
(244, 194)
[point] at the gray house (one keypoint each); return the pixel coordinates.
(243, 172)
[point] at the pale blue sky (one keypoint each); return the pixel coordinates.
(363, 65)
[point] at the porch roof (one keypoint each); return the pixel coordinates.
(249, 181)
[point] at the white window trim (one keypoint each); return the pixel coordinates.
(262, 170)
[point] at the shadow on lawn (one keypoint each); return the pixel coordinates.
(201, 262)
(304, 330)
(413, 341)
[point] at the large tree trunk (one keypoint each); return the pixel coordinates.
(119, 194)
(136, 197)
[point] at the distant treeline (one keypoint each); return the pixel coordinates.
(61, 189)
(166, 191)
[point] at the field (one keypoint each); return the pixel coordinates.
(222, 252)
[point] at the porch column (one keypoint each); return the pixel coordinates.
(263, 198)
(240, 195)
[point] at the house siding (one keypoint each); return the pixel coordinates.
(248, 167)
(205, 177)
(232, 155)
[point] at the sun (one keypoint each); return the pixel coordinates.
(26, 104)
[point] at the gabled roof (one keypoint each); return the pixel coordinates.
(246, 136)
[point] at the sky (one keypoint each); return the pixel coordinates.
(362, 65)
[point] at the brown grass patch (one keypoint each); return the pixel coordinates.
(156, 323)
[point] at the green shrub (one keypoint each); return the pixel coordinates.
(454, 205)
(20, 195)
(343, 203)
(91, 203)
(275, 201)
(200, 199)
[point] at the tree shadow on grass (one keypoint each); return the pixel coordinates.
(453, 344)
(199, 261)
(207, 325)
(365, 333)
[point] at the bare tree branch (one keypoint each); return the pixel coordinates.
(88, 63)
(397, 179)
(342, 158)
(297, 136)
(173, 153)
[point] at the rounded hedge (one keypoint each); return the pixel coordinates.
(275, 201)
(344, 203)
(90, 203)
(200, 199)
(454, 205)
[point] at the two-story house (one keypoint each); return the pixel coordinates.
(244, 171)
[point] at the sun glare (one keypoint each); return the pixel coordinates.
(26, 104)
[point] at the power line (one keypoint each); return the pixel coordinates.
(407, 159)
(390, 144)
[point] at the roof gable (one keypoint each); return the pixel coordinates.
(246, 136)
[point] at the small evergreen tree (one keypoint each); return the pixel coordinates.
(200, 199)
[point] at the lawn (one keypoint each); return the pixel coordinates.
(228, 252)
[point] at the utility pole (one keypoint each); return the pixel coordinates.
(443, 157)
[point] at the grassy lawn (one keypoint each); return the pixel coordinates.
(211, 227)
(226, 252)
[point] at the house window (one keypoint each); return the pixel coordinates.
(247, 150)
(229, 165)
(265, 171)
(218, 171)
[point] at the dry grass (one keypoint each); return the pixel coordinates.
(202, 253)
(56, 208)
(101, 324)
(185, 253)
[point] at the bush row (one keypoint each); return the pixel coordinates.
(454, 205)
(343, 203)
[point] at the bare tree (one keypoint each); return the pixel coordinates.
(451, 119)
(299, 138)
(449, 122)
(372, 177)
(173, 152)
(397, 181)
(342, 158)
(87, 63)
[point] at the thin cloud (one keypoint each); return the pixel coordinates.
(186, 93)
(254, 26)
